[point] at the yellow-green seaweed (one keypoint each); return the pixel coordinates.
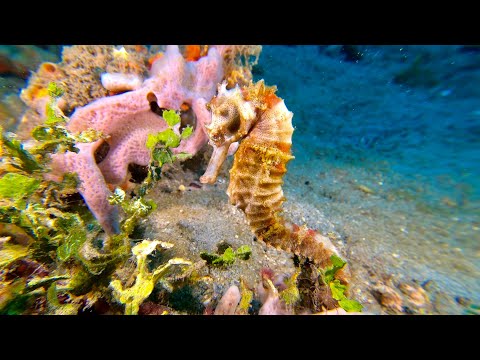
(11, 252)
(291, 295)
(246, 299)
(145, 280)
(55, 307)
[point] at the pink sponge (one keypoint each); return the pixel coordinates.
(128, 119)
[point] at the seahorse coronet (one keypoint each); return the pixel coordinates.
(259, 120)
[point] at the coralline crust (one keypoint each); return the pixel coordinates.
(79, 75)
(238, 61)
(84, 65)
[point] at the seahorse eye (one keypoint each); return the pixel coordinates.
(224, 112)
(234, 124)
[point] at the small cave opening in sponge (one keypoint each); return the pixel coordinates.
(101, 152)
(49, 67)
(138, 173)
(187, 116)
(152, 100)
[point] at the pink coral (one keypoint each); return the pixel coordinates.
(128, 118)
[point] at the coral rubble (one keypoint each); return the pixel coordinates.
(238, 63)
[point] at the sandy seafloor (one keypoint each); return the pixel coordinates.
(388, 168)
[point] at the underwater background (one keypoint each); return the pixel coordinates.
(387, 150)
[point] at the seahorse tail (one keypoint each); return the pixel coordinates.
(303, 242)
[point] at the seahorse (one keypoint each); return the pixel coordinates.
(256, 118)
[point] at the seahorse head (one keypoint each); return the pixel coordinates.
(234, 113)
(232, 116)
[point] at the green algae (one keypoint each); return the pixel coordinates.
(161, 142)
(243, 252)
(12, 299)
(76, 235)
(54, 90)
(187, 132)
(135, 209)
(337, 289)
(38, 282)
(57, 308)
(15, 155)
(53, 135)
(328, 274)
(66, 237)
(168, 137)
(57, 230)
(228, 257)
(338, 293)
(160, 146)
(17, 296)
(35, 205)
(171, 117)
(17, 186)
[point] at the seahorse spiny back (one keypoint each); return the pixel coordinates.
(259, 165)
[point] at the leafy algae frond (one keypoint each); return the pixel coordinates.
(228, 257)
(145, 280)
(160, 145)
(338, 290)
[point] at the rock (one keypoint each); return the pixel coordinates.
(150, 308)
(442, 303)
(229, 301)
(274, 306)
(415, 298)
(463, 301)
(389, 299)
